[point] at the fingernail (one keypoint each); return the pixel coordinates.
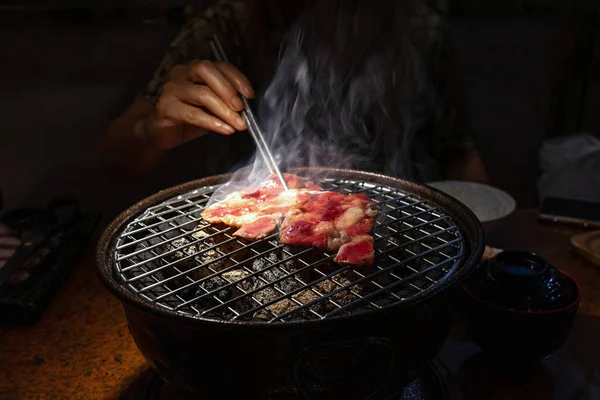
(248, 92)
(237, 103)
(240, 122)
(225, 127)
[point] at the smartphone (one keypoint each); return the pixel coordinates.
(575, 212)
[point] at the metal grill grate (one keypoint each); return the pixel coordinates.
(171, 257)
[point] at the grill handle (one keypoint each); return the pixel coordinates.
(352, 348)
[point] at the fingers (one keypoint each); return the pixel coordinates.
(187, 109)
(237, 78)
(223, 78)
(197, 117)
(207, 73)
(203, 96)
(179, 73)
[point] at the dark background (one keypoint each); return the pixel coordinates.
(531, 71)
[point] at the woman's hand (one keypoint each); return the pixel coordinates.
(201, 96)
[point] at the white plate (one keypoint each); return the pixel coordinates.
(487, 203)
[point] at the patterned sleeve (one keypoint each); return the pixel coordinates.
(227, 18)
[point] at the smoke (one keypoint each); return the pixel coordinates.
(350, 91)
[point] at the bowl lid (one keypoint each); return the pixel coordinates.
(520, 280)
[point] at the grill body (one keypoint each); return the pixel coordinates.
(372, 355)
(365, 355)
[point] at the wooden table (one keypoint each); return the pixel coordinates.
(81, 348)
(573, 373)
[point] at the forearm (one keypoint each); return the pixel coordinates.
(127, 150)
(467, 166)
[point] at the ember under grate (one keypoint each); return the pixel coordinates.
(171, 257)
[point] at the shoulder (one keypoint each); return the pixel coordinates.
(227, 18)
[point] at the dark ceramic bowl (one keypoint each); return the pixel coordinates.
(518, 306)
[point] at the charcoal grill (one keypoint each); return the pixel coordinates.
(287, 314)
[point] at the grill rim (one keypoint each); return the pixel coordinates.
(465, 220)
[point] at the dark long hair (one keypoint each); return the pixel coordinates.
(350, 88)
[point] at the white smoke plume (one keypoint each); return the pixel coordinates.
(347, 93)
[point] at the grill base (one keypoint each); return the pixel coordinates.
(396, 326)
(430, 385)
(219, 361)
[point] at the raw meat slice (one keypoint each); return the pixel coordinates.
(257, 229)
(257, 212)
(359, 251)
(311, 217)
(332, 221)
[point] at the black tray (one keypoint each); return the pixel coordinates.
(25, 303)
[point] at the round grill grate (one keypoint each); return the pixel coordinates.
(171, 257)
